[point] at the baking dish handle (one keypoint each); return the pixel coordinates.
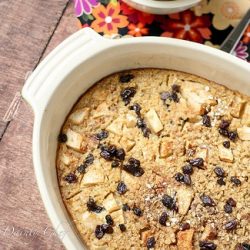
(57, 65)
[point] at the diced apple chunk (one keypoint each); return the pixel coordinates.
(79, 115)
(225, 154)
(74, 140)
(166, 149)
(210, 233)
(110, 203)
(153, 121)
(115, 127)
(131, 121)
(237, 107)
(93, 177)
(101, 110)
(244, 133)
(202, 153)
(118, 217)
(196, 96)
(184, 199)
(90, 220)
(246, 115)
(127, 144)
(185, 239)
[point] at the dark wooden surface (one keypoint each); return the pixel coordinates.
(29, 30)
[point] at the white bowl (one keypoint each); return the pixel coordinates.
(82, 60)
(161, 7)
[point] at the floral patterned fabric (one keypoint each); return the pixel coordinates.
(209, 23)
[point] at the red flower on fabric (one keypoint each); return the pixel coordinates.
(136, 16)
(185, 25)
(246, 36)
(137, 29)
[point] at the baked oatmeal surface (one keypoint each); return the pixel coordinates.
(158, 159)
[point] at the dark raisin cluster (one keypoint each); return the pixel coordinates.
(62, 138)
(163, 218)
(70, 178)
(207, 245)
(207, 201)
(137, 211)
(121, 188)
(235, 181)
(231, 225)
(110, 152)
(151, 242)
(125, 78)
(169, 202)
(224, 130)
(220, 173)
(206, 121)
(140, 121)
(184, 178)
(87, 162)
(103, 134)
(103, 229)
(127, 94)
(133, 167)
(197, 162)
(93, 207)
(172, 95)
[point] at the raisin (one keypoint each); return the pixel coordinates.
(175, 97)
(99, 232)
(226, 144)
(168, 201)
(179, 177)
(223, 132)
(207, 201)
(82, 168)
(151, 242)
(206, 121)
(231, 225)
(70, 178)
(176, 88)
(121, 188)
(231, 202)
(185, 226)
(235, 181)
(103, 134)
(165, 96)
(93, 207)
(197, 162)
(146, 132)
(107, 228)
(122, 227)
(224, 124)
(133, 167)
(137, 108)
(108, 152)
(126, 78)
(207, 245)
(219, 171)
(62, 138)
(187, 179)
(228, 208)
(232, 135)
(246, 246)
(125, 207)
(127, 94)
(115, 164)
(89, 159)
(137, 211)
(120, 154)
(141, 123)
(187, 169)
(163, 219)
(109, 220)
(221, 182)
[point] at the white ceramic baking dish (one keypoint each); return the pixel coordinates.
(162, 7)
(79, 62)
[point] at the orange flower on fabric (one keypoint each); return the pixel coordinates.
(246, 37)
(137, 29)
(108, 20)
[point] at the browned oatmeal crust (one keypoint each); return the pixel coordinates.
(159, 159)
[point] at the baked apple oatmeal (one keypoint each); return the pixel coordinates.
(158, 159)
